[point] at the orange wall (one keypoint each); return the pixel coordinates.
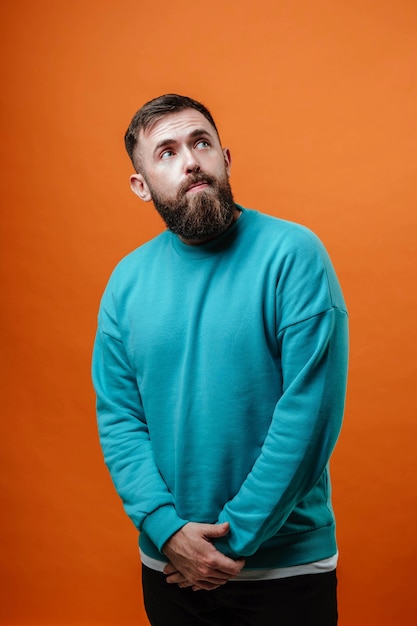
(317, 101)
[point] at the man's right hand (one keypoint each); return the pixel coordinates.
(195, 562)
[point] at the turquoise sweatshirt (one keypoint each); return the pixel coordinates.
(220, 374)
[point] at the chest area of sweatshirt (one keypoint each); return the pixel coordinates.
(196, 313)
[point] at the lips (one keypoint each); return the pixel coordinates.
(200, 184)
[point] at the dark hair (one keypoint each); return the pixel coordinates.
(153, 111)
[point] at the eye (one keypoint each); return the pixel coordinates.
(166, 154)
(203, 143)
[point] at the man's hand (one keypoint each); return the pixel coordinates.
(195, 562)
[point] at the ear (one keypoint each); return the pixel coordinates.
(227, 159)
(139, 187)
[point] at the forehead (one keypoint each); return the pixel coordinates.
(176, 126)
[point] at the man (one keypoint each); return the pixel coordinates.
(220, 370)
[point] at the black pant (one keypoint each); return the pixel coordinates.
(308, 600)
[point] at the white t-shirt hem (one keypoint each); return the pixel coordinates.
(318, 567)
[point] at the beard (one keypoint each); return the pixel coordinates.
(198, 216)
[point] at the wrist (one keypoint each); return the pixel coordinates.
(161, 525)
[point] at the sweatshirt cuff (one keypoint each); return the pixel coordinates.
(162, 524)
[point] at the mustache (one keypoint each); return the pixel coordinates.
(196, 178)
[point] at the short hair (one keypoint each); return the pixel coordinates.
(156, 109)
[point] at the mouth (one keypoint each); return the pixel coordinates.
(198, 186)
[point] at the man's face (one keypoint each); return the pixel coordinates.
(185, 171)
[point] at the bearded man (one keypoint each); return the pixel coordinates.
(220, 368)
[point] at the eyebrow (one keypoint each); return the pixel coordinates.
(198, 132)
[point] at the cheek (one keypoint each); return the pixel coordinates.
(221, 167)
(165, 183)
(212, 167)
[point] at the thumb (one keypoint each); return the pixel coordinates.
(217, 530)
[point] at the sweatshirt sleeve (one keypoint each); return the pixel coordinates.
(307, 418)
(302, 435)
(124, 435)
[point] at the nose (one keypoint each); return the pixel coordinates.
(191, 163)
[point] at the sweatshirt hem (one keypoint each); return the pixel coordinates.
(278, 552)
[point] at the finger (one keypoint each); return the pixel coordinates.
(204, 586)
(185, 584)
(181, 581)
(222, 566)
(211, 531)
(175, 578)
(232, 567)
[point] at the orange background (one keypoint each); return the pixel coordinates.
(317, 102)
